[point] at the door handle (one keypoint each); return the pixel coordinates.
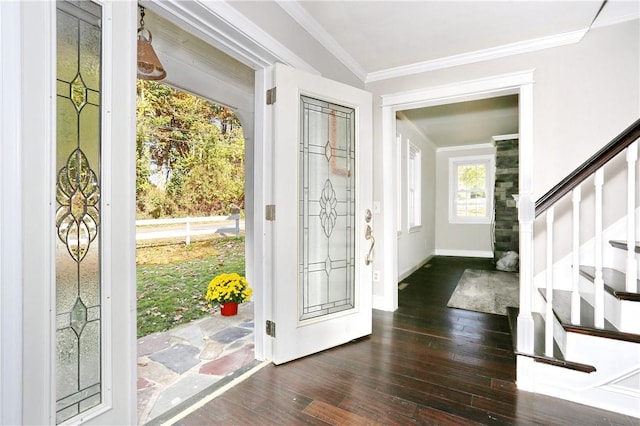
(368, 234)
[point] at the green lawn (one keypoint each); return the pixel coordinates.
(172, 280)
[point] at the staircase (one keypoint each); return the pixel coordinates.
(582, 312)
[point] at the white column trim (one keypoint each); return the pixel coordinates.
(262, 235)
(388, 266)
(37, 177)
(10, 214)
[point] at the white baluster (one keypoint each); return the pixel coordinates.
(575, 272)
(598, 282)
(187, 240)
(548, 333)
(632, 264)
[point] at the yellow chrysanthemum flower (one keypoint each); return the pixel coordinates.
(226, 288)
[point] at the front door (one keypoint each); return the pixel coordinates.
(323, 241)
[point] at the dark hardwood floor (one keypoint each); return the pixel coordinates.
(423, 364)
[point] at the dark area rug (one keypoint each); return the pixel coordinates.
(486, 291)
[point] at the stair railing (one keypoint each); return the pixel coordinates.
(594, 166)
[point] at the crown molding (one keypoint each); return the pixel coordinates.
(317, 31)
(479, 55)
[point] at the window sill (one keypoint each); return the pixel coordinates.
(416, 228)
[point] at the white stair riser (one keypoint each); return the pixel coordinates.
(623, 314)
(545, 381)
(629, 316)
(615, 385)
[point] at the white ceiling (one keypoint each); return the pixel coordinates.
(466, 123)
(381, 35)
(382, 39)
(374, 37)
(379, 39)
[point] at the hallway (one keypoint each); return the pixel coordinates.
(423, 364)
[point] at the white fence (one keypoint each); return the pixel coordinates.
(187, 231)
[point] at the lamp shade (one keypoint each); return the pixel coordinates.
(149, 66)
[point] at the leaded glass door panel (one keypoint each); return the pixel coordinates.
(78, 106)
(323, 190)
(78, 210)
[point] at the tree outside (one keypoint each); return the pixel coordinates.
(190, 162)
(471, 196)
(190, 155)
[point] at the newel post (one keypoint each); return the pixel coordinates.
(526, 216)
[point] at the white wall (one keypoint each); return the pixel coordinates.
(458, 239)
(584, 94)
(415, 246)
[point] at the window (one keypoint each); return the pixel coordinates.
(414, 175)
(471, 189)
(79, 310)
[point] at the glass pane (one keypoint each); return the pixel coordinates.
(78, 295)
(471, 195)
(326, 208)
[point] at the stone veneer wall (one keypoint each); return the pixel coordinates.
(506, 230)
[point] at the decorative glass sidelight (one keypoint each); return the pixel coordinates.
(326, 221)
(78, 368)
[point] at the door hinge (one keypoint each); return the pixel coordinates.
(271, 328)
(271, 96)
(270, 212)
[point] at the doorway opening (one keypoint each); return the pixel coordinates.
(190, 211)
(466, 155)
(226, 86)
(401, 112)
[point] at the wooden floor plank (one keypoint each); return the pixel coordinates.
(424, 364)
(334, 415)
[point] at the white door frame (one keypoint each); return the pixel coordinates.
(515, 83)
(10, 215)
(26, 163)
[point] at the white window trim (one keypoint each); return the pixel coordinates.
(414, 184)
(489, 160)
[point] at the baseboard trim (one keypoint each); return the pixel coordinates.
(464, 253)
(382, 304)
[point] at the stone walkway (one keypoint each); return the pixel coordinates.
(177, 364)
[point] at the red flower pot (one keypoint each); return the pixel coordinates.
(228, 309)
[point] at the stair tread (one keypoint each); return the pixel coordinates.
(562, 311)
(538, 355)
(614, 282)
(622, 244)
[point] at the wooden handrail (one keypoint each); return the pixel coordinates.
(589, 167)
